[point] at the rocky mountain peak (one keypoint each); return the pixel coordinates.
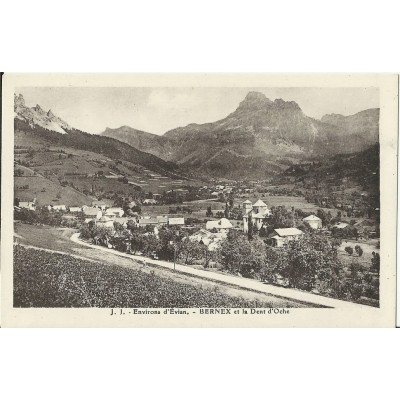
(38, 109)
(19, 101)
(37, 116)
(255, 101)
(288, 105)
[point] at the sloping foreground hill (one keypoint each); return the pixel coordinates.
(44, 279)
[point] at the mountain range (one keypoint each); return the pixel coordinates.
(46, 129)
(260, 137)
(37, 116)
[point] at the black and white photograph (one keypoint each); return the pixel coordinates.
(197, 200)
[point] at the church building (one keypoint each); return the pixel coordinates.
(257, 212)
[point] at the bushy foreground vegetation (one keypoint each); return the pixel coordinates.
(43, 279)
(310, 263)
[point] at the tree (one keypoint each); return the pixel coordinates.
(226, 211)
(349, 250)
(375, 262)
(358, 250)
(311, 262)
(209, 212)
(190, 250)
(239, 256)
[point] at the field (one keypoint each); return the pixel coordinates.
(46, 191)
(48, 167)
(368, 246)
(44, 279)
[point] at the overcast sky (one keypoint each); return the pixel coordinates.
(158, 110)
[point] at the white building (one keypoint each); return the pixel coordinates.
(116, 211)
(28, 204)
(313, 221)
(149, 201)
(99, 204)
(59, 207)
(75, 209)
(257, 212)
(285, 235)
(341, 225)
(176, 221)
(92, 212)
(211, 240)
(221, 225)
(106, 222)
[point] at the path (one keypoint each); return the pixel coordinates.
(245, 283)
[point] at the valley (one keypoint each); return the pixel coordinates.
(245, 196)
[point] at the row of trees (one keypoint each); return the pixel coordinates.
(43, 216)
(310, 263)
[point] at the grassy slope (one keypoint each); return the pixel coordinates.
(43, 279)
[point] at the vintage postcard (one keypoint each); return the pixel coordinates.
(203, 200)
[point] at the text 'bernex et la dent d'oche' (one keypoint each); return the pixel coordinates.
(199, 311)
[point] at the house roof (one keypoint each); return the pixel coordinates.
(176, 221)
(288, 232)
(104, 219)
(312, 218)
(223, 223)
(202, 233)
(146, 221)
(247, 202)
(260, 203)
(341, 225)
(91, 211)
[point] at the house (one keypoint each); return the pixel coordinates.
(211, 240)
(313, 221)
(99, 204)
(215, 194)
(285, 235)
(162, 220)
(149, 201)
(106, 222)
(75, 209)
(148, 221)
(132, 204)
(257, 213)
(59, 207)
(28, 204)
(117, 211)
(222, 224)
(92, 212)
(176, 221)
(341, 225)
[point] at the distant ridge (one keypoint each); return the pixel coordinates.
(260, 137)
